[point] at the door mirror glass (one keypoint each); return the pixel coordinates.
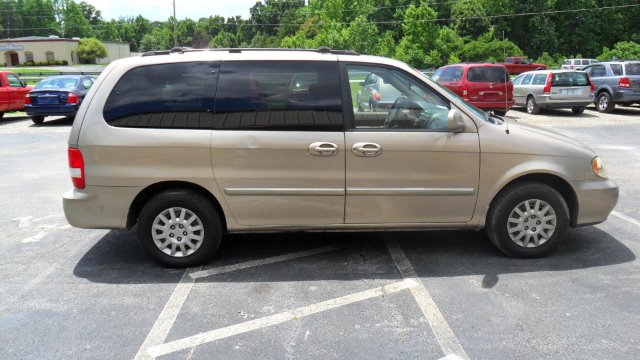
(455, 121)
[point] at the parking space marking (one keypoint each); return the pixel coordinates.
(271, 260)
(625, 218)
(280, 318)
(168, 316)
(445, 336)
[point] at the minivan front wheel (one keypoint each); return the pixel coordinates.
(179, 228)
(528, 220)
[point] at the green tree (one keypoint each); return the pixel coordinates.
(90, 49)
(74, 22)
(160, 38)
(420, 34)
(623, 50)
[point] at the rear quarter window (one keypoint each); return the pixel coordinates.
(616, 69)
(178, 95)
(539, 79)
(490, 74)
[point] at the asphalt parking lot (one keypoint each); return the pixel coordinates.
(70, 293)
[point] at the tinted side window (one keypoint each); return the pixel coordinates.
(539, 79)
(585, 62)
(632, 68)
(598, 71)
(451, 74)
(176, 95)
(616, 69)
(527, 79)
(268, 95)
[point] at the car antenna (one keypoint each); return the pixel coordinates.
(506, 85)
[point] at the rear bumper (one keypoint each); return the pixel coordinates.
(51, 110)
(626, 95)
(492, 105)
(546, 101)
(596, 199)
(99, 207)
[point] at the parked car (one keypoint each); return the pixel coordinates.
(616, 82)
(485, 86)
(519, 64)
(577, 64)
(375, 94)
(194, 144)
(57, 96)
(553, 89)
(12, 92)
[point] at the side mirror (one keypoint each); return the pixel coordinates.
(24, 83)
(455, 121)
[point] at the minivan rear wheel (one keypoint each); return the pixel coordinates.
(37, 119)
(532, 107)
(179, 228)
(577, 110)
(528, 220)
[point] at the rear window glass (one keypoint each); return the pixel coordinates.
(539, 79)
(178, 95)
(585, 62)
(632, 68)
(570, 79)
(58, 83)
(451, 74)
(490, 74)
(616, 69)
(566, 62)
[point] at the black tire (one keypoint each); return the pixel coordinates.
(532, 106)
(37, 119)
(497, 225)
(198, 205)
(604, 103)
(1, 115)
(501, 112)
(578, 110)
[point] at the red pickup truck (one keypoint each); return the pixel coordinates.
(519, 64)
(12, 92)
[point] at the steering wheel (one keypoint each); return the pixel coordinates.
(396, 108)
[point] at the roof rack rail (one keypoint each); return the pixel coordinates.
(181, 50)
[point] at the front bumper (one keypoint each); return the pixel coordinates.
(99, 207)
(596, 199)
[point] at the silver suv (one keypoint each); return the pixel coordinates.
(192, 144)
(616, 82)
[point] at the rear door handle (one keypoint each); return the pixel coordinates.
(322, 148)
(366, 149)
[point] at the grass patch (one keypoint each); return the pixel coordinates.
(29, 70)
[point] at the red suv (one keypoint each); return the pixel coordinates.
(485, 86)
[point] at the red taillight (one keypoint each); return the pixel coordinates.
(376, 96)
(547, 84)
(571, 67)
(27, 100)
(624, 82)
(465, 94)
(76, 168)
(72, 98)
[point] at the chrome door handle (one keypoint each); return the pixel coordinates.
(366, 149)
(322, 148)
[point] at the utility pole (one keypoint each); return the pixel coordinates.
(175, 33)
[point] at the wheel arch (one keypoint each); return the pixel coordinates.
(556, 182)
(152, 190)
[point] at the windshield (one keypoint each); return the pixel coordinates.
(57, 83)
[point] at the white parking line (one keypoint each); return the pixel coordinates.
(271, 260)
(625, 218)
(276, 319)
(168, 316)
(445, 336)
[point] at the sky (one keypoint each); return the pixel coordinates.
(163, 9)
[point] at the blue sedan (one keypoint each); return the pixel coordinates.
(57, 96)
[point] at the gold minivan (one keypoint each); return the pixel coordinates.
(192, 144)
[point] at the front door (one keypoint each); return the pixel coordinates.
(278, 146)
(407, 167)
(14, 59)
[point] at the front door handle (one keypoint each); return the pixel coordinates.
(322, 148)
(366, 149)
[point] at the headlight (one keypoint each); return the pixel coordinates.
(598, 167)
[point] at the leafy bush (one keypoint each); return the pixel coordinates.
(624, 50)
(90, 49)
(65, 62)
